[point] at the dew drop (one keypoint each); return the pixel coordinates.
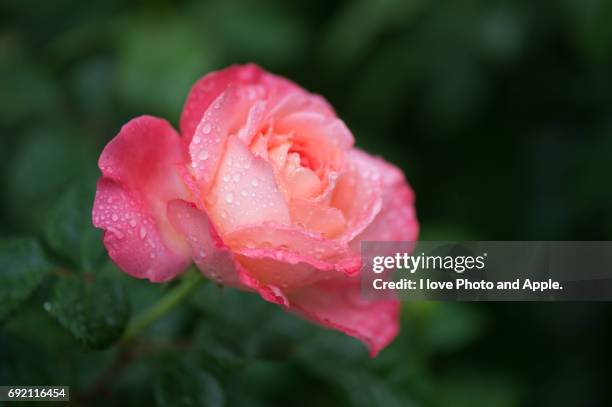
(206, 128)
(229, 198)
(118, 234)
(203, 155)
(47, 306)
(226, 178)
(142, 232)
(115, 217)
(236, 177)
(133, 223)
(196, 140)
(254, 183)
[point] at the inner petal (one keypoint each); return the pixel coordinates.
(300, 182)
(326, 220)
(245, 191)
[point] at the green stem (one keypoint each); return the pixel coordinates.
(188, 283)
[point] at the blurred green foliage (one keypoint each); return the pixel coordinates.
(499, 112)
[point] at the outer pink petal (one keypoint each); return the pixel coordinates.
(339, 305)
(252, 78)
(214, 259)
(358, 193)
(131, 235)
(397, 219)
(209, 253)
(245, 191)
(139, 175)
(291, 271)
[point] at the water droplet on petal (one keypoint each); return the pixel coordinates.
(229, 198)
(206, 128)
(142, 232)
(196, 140)
(118, 234)
(203, 155)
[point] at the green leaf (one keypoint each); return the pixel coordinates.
(95, 312)
(184, 384)
(22, 268)
(69, 230)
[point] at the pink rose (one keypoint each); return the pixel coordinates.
(264, 191)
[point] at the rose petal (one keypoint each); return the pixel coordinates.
(245, 191)
(208, 251)
(208, 144)
(214, 259)
(290, 271)
(316, 128)
(288, 238)
(300, 101)
(299, 182)
(397, 220)
(326, 220)
(140, 168)
(131, 236)
(251, 79)
(338, 305)
(358, 193)
(253, 122)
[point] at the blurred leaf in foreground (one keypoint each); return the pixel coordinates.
(185, 384)
(95, 312)
(22, 268)
(69, 230)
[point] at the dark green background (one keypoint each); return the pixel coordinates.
(499, 112)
